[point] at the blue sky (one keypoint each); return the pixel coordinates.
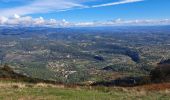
(148, 9)
(87, 10)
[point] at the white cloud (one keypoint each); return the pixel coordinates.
(117, 3)
(120, 22)
(85, 24)
(16, 16)
(3, 20)
(26, 21)
(46, 6)
(40, 6)
(39, 21)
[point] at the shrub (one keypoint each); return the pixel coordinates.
(161, 73)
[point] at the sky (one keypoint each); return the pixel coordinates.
(84, 12)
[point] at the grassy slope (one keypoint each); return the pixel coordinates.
(25, 91)
(12, 90)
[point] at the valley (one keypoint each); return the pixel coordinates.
(76, 55)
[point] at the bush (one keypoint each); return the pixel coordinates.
(161, 73)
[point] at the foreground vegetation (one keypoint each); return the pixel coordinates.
(15, 86)
(40, 91)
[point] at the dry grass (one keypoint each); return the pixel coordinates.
(12, 85)
(155, 87)
(27, 85)
(42, 91)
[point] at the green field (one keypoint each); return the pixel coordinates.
(25, 91)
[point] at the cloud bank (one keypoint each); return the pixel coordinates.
(28, 21)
